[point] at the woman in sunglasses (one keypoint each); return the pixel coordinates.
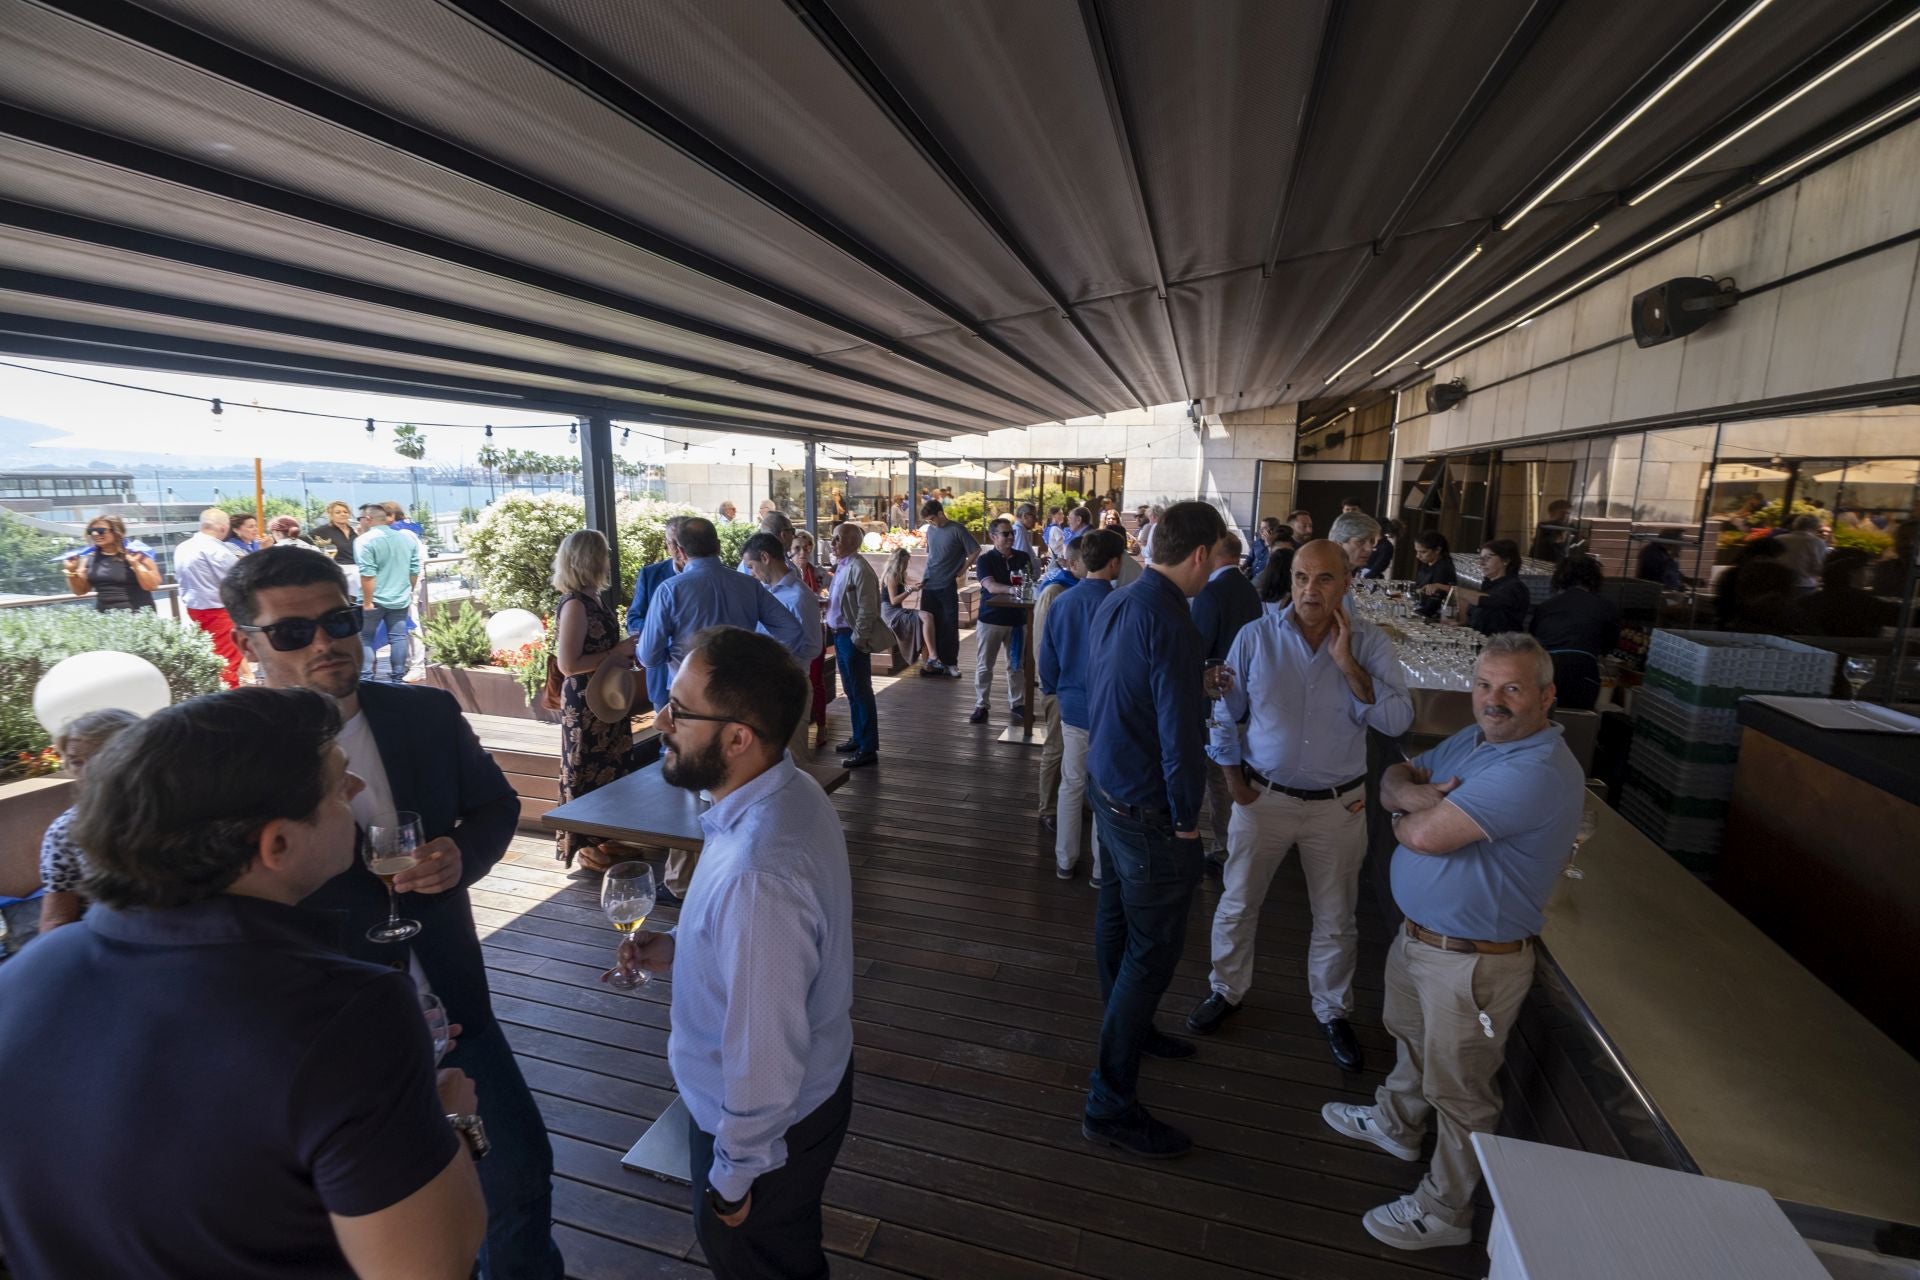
(120, 578)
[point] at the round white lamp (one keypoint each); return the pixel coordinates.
(96, 682)
(510, 629)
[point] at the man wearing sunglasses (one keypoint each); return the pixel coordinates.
(413, 750)
(762, 961)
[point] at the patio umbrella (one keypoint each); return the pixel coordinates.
(1883, 471)
(1745, 473)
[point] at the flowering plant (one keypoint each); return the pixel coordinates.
(36, 764)
(896, 539)
(528, 664)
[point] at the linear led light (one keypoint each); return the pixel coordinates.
(1486, 301)
(1577, 285)
(1693, 63)
(1784, 103)
(1418, 302)
(1842, 140)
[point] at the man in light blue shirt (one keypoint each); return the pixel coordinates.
(1307, 685)
(1485, 821)
(706, 594)
(762, 961)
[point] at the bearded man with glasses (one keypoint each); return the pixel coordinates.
(414, 751)
(761, 958)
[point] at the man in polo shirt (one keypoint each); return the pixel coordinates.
(284, 1118)
(950, 548)
(999, 626)
(1307, 684)
(1146, 695)
(1064, 674)
(389, 568)
(1485, 822)
(200, 564)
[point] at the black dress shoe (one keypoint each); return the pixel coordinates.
(1169, 1048)
(1019, 712)
(861, 760)
(1345, 1045)
(979, 716)
(1137, 1133)
(1051, 823)
(1214, 1010)
(848, 745)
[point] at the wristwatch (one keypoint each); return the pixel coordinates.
(725, 1208)
(472, 1131)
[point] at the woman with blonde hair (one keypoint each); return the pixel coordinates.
(900, 610)
(586, 635)
(123, 579)
(335, 538)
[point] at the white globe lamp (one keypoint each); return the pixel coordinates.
(98, 681)
(510, 629)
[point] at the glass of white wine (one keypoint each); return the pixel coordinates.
(393, 846)
(626, 895)
(1858, 671)
(1589, 819)
(437, 1025)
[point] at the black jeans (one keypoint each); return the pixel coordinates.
(1140, 930)
(780, 1240)
(944, 604)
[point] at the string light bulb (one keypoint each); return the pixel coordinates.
(626, 434)
(489, 431)
(217, 409)
(573, 432)
(369, 430)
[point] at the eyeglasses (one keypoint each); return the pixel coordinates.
(290, 634)
(98, 530)
(674, 711)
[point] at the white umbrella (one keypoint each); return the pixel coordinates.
(1880, 472)
(1745, 473)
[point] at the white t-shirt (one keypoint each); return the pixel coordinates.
(375, 798)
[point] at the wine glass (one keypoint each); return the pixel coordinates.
(393, 846)
(1214, 682)
(437, 1024)
(1589, 819)
(1858, 672)
(627, 895)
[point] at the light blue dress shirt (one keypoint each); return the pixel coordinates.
(763, 972)
(706, 594)
(1291, 715)
(792, 592)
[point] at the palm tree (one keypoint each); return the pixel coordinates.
(408, 442)
(490, 457)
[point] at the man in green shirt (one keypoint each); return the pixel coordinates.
(388, 562)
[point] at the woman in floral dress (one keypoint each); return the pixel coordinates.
(586, 635)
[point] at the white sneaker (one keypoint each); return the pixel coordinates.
(1352, 1120)
(1402, 1225)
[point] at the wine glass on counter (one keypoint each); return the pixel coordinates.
(393, 846)
(1858, 672)
(627, 896)
(1589, 819)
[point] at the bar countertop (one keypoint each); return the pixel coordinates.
(1764, 1074)
(1889, 761)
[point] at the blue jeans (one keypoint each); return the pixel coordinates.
(944, 604)
(1140, 929)
(856, 673)
(517, 1175)
(396, 624)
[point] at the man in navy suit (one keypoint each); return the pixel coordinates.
(1227, 603)
(644, 589)
(413, 750)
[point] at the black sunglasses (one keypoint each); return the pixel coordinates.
(290, 634)
(97, 530)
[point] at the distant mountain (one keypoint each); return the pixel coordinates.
(21, 450)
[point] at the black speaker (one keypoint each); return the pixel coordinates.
(1675, 308)
(1442, 396)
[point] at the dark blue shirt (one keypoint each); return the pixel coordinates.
(994, 567)
(1144, 692)
(645, 587)
(191, 1091)
(1063, 647)
(1257, 557)
(1227, 603)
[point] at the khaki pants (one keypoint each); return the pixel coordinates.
(1050, 756)
(1447, 1058)
(1073, 801)
(990, 639)
(1332, 835)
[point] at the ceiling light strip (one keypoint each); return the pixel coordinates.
(1578, 285)
(1693, 64)
(1841, 141)
(1419, 302)
(1487, 301)
(1783, 104)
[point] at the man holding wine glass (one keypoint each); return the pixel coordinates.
(438, 812)
(285, 1117)
(762, 960)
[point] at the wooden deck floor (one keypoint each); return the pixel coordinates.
(976, 1013)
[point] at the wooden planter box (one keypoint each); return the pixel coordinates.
(26, 807)
(488, 691)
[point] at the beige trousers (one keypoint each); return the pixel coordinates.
(1332, 837)
(1447, 1059)
(1050, 755)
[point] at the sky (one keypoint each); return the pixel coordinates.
(111, 420)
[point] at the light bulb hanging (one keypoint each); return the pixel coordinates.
(217, 409)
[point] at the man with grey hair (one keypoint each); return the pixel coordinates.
(645, 587)
(1484, 823)
(1355, 532)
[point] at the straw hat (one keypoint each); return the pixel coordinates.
(611, 692)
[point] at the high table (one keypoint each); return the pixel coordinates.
(1027, 732)
(644, 808)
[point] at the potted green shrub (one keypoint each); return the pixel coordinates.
(461, 660)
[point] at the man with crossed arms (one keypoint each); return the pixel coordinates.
(1307, 685)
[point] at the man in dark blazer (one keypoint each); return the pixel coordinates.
(1227, 603)
(413, 750)
(645, 587)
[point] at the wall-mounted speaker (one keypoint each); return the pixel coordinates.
(1675, 308)
(1443, 396)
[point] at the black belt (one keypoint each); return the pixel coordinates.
(1139, 813)
(1334, 793)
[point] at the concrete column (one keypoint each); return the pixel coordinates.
(596, 469)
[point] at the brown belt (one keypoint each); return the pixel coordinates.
(1464, 945)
